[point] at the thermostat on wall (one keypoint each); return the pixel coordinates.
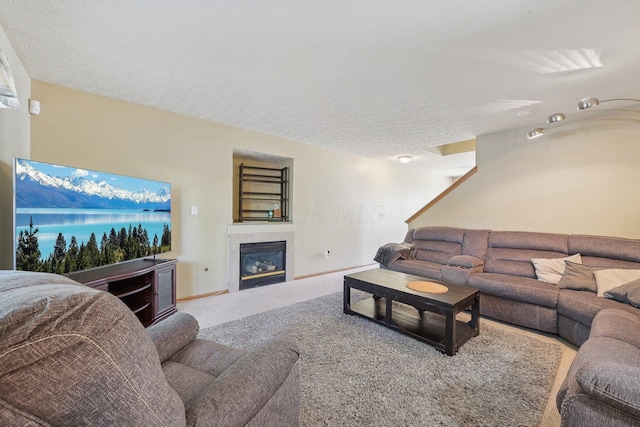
(34, 107)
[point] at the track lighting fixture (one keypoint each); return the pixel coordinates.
(584, 104)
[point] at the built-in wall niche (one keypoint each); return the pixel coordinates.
(262, 187)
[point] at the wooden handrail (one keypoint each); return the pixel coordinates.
(440, 196)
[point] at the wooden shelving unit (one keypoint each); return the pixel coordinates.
(146, 286)
(263, 194)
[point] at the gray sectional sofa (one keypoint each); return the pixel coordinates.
(601, 387)
(499, 263)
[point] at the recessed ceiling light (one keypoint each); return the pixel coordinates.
(405, 159)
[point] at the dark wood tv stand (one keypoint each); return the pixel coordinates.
(147, 286)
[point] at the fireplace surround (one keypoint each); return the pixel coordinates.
(262, 263)
(241, 234)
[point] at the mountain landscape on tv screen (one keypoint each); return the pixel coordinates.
(70, 219)
(37, 189)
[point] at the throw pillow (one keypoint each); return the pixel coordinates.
(550, 270)
(578, 277)
(629, 293)
(614, 277)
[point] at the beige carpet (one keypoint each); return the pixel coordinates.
(504, 376)
(551, 416)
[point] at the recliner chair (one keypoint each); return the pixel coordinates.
(75, 356)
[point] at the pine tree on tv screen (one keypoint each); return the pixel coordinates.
(70, 219)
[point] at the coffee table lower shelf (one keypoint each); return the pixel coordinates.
(421, 325)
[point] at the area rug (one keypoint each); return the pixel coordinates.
(354, 372)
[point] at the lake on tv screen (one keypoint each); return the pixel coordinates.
(82, 222)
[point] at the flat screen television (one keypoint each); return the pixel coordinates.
(69, 219)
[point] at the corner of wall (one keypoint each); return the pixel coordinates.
(15, 137)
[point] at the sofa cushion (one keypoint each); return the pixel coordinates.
(516, 288)
(520, 313)
(516, 262)
(578, 277)
(510, 252)
(550, 270)
(435, 251)
(427, 269)
(68, 352)
(596, 350)
(238, 394)
(572, 330)
(619, 324)
(437, 244)
(208, 356)
(173, 333)
(613, 384)
(186, 381)
(605, 248)
(475, 243)
(610, 278)
(549, 242)
(583, 306)
(445, 234)
(629, 293)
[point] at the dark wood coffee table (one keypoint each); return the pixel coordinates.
(433, 316)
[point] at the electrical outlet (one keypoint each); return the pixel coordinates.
(326, 254)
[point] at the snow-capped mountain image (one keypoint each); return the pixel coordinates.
(43, 185)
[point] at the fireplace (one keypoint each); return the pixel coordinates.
(262, 263)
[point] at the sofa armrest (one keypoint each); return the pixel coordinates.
(242, 390)
(173, 333)
(465, 261)
(389, 253)
(612, 384)
(458, 275)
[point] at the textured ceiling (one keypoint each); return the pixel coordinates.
(374, 78)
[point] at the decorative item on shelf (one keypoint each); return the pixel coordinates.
(584, 104)
(405, 159)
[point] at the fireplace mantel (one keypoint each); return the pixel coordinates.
(243, 234)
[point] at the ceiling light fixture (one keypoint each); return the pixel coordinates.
(594, 102)
(584, 104)
(405, 159)
(536, 133)
(555, 118)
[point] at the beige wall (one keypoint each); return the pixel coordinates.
(338, 198)
(14, 142)
(584, 180)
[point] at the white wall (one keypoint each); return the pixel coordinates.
(14, 142)
(584, 180)
(337, 197)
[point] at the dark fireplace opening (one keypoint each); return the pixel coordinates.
(262, 263)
